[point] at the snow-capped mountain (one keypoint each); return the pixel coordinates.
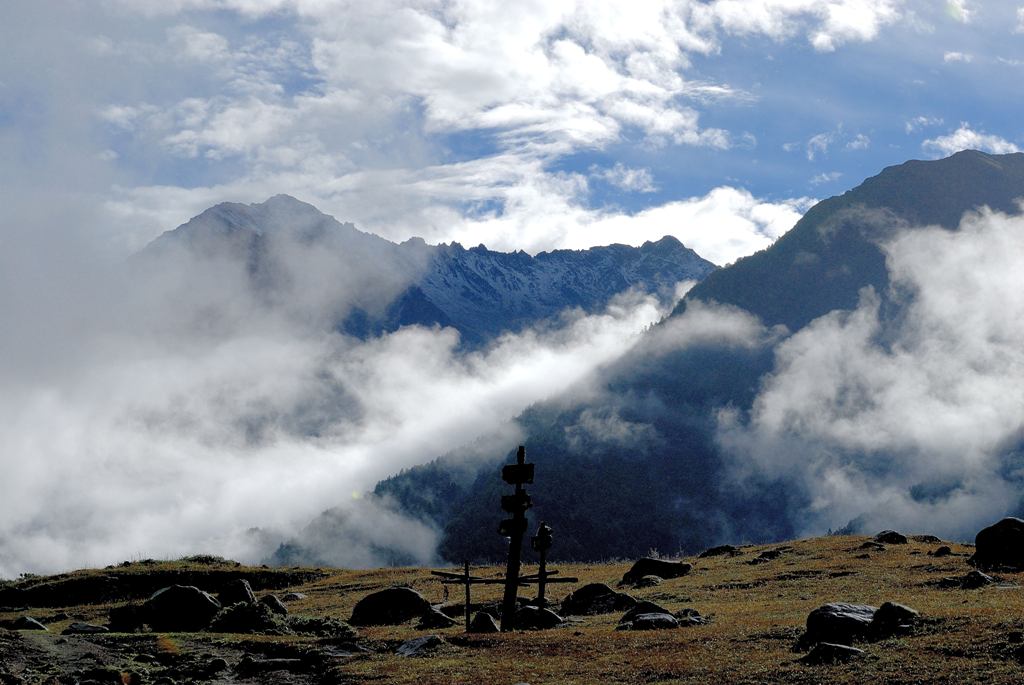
(308, 265)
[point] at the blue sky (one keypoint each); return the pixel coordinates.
(532, 125)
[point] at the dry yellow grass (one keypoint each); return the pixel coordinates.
(757, 613)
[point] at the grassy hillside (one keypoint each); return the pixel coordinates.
(757, 613)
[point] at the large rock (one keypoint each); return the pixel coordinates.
(657, 621)
(839, 623)
(1000, 546)
(245, 617)
(892, 619)
(420, 646)
(435, 619)
(643, 607)
(389, 607)
(595, 598)
(655, 567)
(275, 605)
(236, 591)
(27, 623)
(720, 550)
(82, 628)
(483, 623)
(891, 537)
(536, 618)
(180, 608)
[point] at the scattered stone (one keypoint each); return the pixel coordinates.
(435, 619)
(839, 623)
(831, 653)
(872, 545)
(943, 551)
(242, 617)
(215, 666)
(597, 598)
(81, 628)
(892, 619)
(690, 617)
(236, 591)
(927, 539)
(891, 537)
(655, 567)
(536, 618)
(1000, 546)
(250, 665)
(483, 623)
(766, 556)
(972, 581)
(180, 608)
(27, 623)
(720, 550)
(389, 607)
(650, 622)
(276, 605)
(293, 596)
(649, 581)
(420, 646)
(643, 607)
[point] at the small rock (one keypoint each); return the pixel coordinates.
(216, 666)
(389, 607)
(720, 550)
(976, 579)
(235, 591)
(293, 596)
(80, 628)
(643, 607)
(650, 622)
(536, 618)
(943, 551)
(649, 581)
(766, 556)
(872, 545)
(690, 617)
(655, 567)
(483, 623)
(839, 623)
(596, 598)
(927, 539)
(27, 623)
(242, 617)
(420, 646)
(891, 537)
(892, 619)
(831, 653)
(250, 665)
(275, 605)
(435, 619)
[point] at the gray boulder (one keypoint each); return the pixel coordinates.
(419, 646)
(1000, 546)
(389, 607)
(180, 608)
(80, 628)
(891, 537)
(649, 581)
(690, 617)
(943, 551)
(293, 596)
(892, 619)
(27, 623)
(838, 623)
(274, 604)
(657, 621)
(236, 591)
(643, 607)
(595, 598)
(831, 653)
(483, 623)
(536, 618)
(435, 619)
(655, 567)
(720, 550)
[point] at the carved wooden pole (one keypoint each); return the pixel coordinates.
(541, 542)
(515, 474)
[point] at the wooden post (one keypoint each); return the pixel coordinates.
(543, 580)
(467, 596)
(515, 548)
(541, 542)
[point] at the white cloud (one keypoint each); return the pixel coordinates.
(859, 142)
(1020, 21)
(819, 144)
(965, 138)
(627, 178)
(919, 433)
(920, 122)
(960, 10)
(826, 177)
(956, 57)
